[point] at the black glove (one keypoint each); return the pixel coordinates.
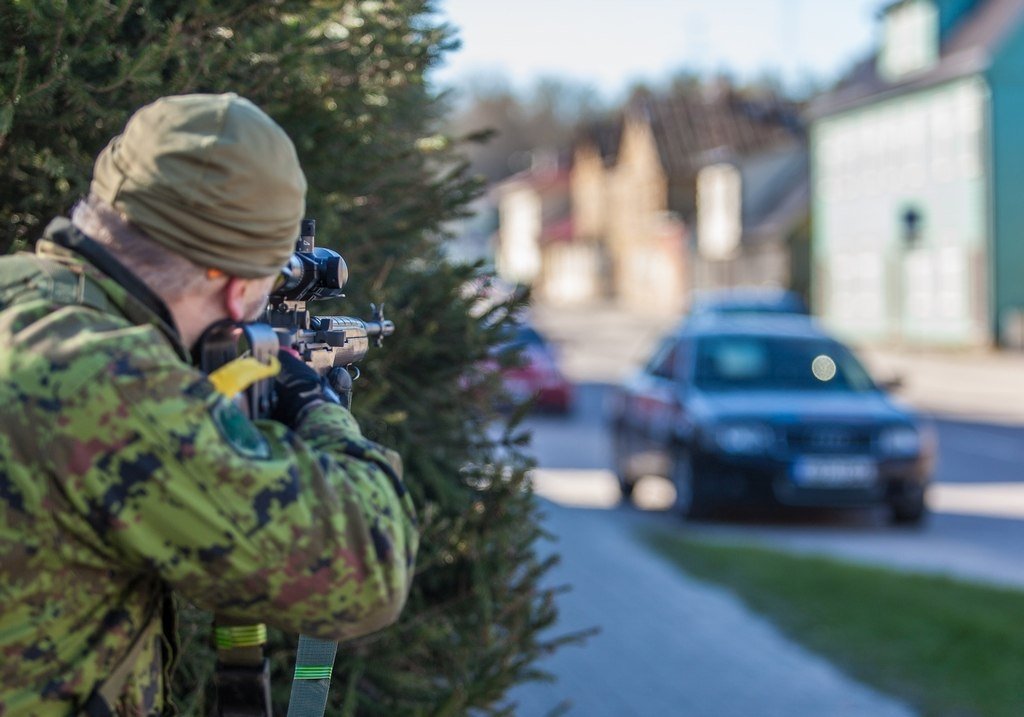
(297, 389)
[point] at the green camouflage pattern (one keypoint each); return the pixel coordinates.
(117, 484)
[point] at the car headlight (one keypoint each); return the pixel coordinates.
(900, 441)
(744, 439)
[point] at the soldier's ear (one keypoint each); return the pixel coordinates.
(235, 295)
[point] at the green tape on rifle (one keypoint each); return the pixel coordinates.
(313, 672)
(228, 638)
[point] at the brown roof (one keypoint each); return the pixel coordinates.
(968, 49)
(691, 127)
(604, 135)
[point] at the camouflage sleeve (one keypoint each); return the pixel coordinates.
(310, 531)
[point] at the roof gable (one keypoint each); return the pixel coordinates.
(690, 129)
(604, 136)
(972, 33)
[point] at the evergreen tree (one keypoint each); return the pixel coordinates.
(347, 80)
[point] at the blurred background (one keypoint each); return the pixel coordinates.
(861, 153)
(859, 157)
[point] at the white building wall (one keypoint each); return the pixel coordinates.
(519, 258)
(571, 273)
(923, 152)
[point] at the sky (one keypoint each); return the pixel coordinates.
(609, 44)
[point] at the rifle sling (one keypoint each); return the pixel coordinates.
(314, 662)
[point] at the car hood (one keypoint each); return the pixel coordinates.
(798, 406)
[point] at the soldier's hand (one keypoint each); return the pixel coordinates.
(298, 388)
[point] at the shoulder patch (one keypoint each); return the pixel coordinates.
(236, 428)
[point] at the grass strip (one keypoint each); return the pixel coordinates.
(948, 648)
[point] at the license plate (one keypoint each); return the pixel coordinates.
(835, 472)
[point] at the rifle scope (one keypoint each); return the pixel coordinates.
(312, 272)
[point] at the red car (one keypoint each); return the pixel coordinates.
(536, 375)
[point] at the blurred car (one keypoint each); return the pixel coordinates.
(747, 301)
(536, 374)
(768, 410)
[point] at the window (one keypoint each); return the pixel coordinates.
(775, 363)
(663, 363)
(911, 39)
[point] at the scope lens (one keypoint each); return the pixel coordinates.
(291, 276)
(282, 278)
(332, 268)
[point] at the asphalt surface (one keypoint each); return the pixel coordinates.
(672, 645)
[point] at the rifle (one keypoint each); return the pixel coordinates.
(332, 346)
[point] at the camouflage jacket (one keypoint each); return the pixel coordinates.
(124, 475)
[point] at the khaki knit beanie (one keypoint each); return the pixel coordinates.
(210, 177)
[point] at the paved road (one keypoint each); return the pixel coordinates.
(673, 646)
(670, 645)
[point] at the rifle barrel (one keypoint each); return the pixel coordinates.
(375, 329)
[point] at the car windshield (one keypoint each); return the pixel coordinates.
(784, 303)
(728, 363)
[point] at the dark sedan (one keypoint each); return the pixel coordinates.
(768, 410)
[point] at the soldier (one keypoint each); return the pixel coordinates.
(125, 476)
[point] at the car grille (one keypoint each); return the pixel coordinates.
(829, 439)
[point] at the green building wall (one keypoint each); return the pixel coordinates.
(1006, 78)
(951, 12)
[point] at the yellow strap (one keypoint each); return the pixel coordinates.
(235, 376)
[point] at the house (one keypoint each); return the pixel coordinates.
(595, 151)
(917, 166)
(634, 187)
(753, 221)
(534, 226)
